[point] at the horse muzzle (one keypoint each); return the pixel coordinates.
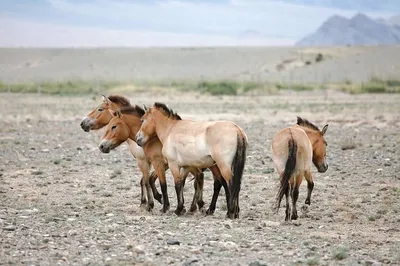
(86, 124)
(105, 146)
(140, 139)
(322, 168)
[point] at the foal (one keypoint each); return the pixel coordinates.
(187, 144)
(294, 149)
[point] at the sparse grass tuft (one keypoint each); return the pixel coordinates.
(375, 85)
(294, 86)
(115, 173)
(340, 253)
(348, 144)
(312, 261)
(219, 88)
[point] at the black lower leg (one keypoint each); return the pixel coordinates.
(200, 186)
(227, 194)
(179, 195)
(193, 206)
(143, 199)
(164, 192)
(157, 196)
(310, 187)
(295, 196)
(287, 212)
(217, 188)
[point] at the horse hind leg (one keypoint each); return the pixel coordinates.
(310, 185)
(217, 188)
(288, 208)
(295, 196)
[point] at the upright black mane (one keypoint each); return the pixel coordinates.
(119, 100)
(132, 110)
(305, 123)
(167, 111)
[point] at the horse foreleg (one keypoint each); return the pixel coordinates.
(143, 198)
(160, 169)
(198, 190)
(157, 196)
(145, 168)
(179, 180)
(310, 185)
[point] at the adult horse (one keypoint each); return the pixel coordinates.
(124, 126)
(187, 144)
(99, 117)
(294, 149)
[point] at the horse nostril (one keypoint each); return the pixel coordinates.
(101, 146)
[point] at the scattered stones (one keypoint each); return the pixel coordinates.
(9, 228)
(173, 242)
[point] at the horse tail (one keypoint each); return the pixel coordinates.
(238, 163)
(288, 172)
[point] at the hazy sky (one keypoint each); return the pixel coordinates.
(172, 22)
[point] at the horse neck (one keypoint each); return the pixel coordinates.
(310, 134)
(163, 125)
(133, 123)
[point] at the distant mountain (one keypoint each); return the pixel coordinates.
(394, 20)
(358, 30)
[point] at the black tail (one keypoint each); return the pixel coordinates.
(238, 165)
(287, 173)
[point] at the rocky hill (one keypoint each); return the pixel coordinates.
(358, 30)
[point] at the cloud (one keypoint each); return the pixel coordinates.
(219, 21)
(14, 33)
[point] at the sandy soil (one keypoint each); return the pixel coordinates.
(272, 64)
(63, 202)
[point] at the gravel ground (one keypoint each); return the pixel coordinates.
(63, 202)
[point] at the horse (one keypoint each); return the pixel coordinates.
(99, 117)
(293, 150)
(123, 126)
(215, 145)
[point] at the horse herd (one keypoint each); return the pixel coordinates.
(159, 138)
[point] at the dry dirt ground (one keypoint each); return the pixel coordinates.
(63, 202)
(272, 64)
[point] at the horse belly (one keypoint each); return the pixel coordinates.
(194, 154)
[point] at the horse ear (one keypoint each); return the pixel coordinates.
(105, 99)
(323, 131)
(116, 113)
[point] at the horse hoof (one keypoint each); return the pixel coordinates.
(193, 208)
(164, 209)
(180, 212)
(209, 212)
(200, 204)
(159, 199)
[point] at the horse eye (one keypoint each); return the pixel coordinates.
(113, 127)
(100, 109)
(141, 120)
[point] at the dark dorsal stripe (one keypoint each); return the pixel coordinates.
(119, 100)
(132, 110)
(305, 123)
(167, 111)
